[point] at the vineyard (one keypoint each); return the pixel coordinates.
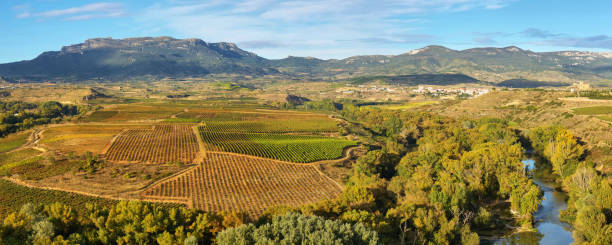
(291, 148)
(161, 144)
(258, 121)
(296, 125)
(13, 196)
(230, 182)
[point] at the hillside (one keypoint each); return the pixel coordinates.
(107, 58)
(485, 64)
(124, 58)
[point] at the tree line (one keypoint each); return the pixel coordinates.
(589, 208)
(18, 115)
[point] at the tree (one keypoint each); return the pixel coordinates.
(564, 153)
(51, 109)
(591, 225)
(294, 228)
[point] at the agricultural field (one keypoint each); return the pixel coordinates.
(14, 141)
(292, 148)
(13, 196)
(258, 121)
(594, 110)
(230, 182)
(99, 116)
(217, 155)
(133, 113)
(14, 159)
(160, 144)
(81, 138)
(605, 118)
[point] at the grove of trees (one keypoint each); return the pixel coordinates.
(589, 206)
(17, 115)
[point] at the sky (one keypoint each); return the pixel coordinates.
(319, 28)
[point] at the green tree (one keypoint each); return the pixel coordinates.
(294, 228)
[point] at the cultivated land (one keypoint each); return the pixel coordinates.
(292, 148)
(161, 144)
(234, 150)
(182, 152)
(233, 182)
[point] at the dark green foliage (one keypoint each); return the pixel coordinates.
(16, 115)
(294, 228)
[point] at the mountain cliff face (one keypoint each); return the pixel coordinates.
(108, 58)
(124, 58)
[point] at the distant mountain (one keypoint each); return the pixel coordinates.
(485, 64)
(106, 58)
(124, 58)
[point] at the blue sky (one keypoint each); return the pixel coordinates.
(319, 28)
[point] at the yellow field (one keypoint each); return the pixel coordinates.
(82, 138)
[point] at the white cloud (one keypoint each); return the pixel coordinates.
(89, 11)
(296, 27)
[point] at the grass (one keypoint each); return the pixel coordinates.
(13, 141)
(293, 148)
(594, 110)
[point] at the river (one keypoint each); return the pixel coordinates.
(550, 229)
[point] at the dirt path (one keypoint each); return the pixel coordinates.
(32, 142)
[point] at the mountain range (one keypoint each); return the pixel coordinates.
(116, 59)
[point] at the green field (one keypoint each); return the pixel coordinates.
(11, 160)
(183, 120)
(272, 125)
(594, 110)
(98, 116)
(13, 141)
(605, 118)
(293, 148)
